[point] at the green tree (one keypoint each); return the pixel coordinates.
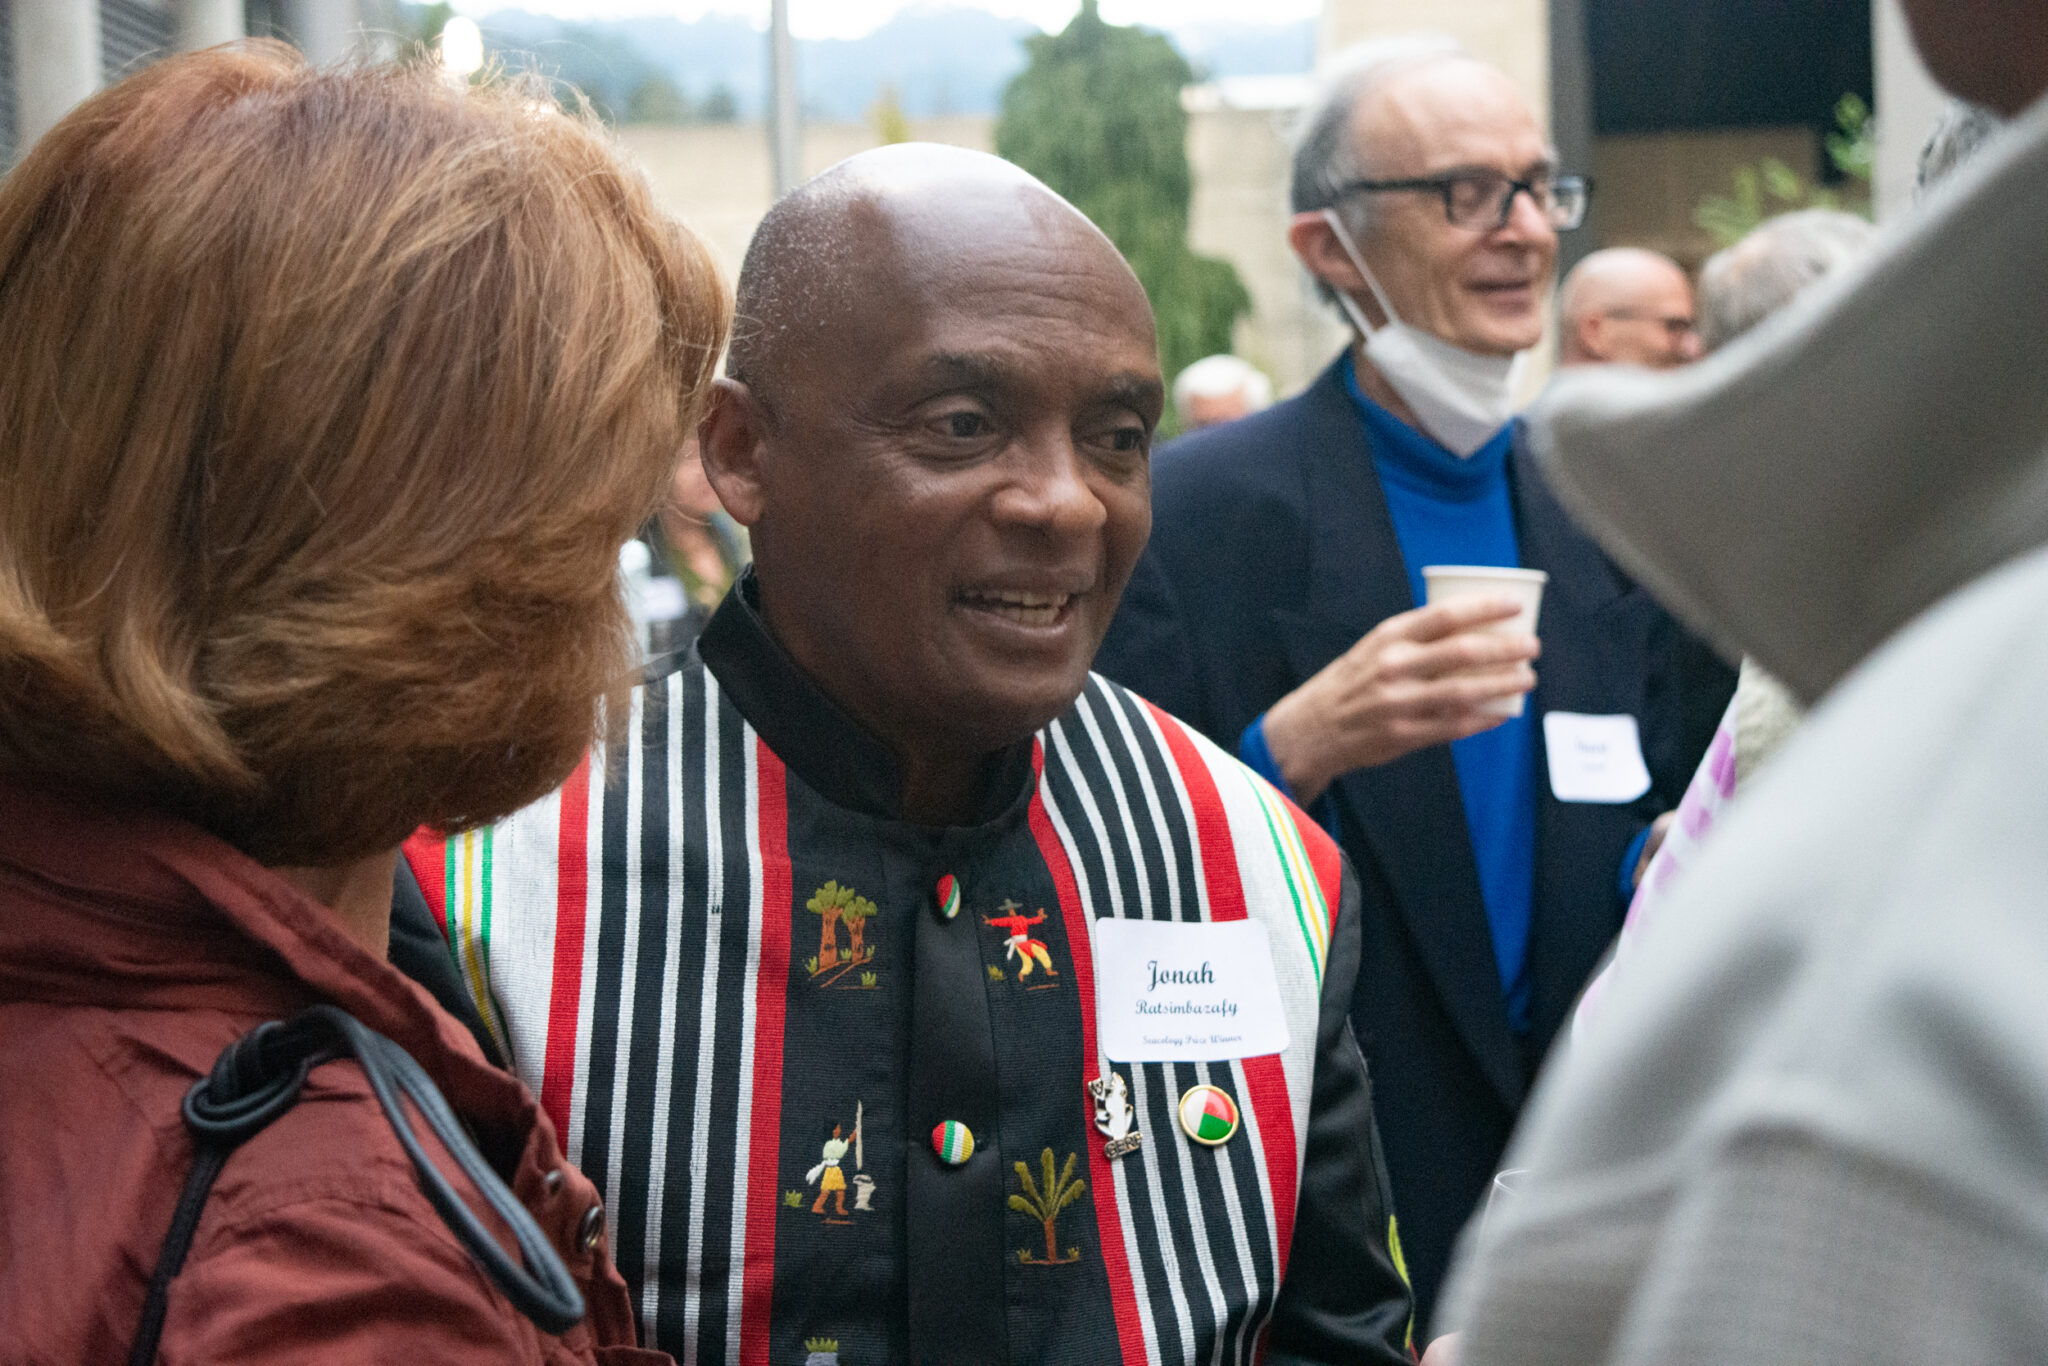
(856, 913)
(1043, 1201)
(719, 106)
(828, 903)
(885, 117)
(419, 26)
(656, 99)
(1096, 115)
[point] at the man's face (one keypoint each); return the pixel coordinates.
(957, 486)
(1480, 289)
(1654, 326)
(1211, 411)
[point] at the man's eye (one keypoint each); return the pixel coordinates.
(965, 425)
(1126, 440)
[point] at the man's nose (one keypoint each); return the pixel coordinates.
(1527, 222)
(1049, 490)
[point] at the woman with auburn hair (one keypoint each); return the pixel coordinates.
(327, 398)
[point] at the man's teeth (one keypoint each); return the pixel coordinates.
(1030, 609)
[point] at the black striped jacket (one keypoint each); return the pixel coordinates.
(726, 969)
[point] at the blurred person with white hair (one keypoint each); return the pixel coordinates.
(1280, 608)
(1743, 284)
(1808, 1124)
(1219, 389)
(1627, 306)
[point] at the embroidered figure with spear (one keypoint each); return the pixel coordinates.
(830, 1180)
(1021, 945)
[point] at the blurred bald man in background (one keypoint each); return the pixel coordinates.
(1627, 306)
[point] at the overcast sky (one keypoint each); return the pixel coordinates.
(852, 18)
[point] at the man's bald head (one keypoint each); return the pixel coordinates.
(1627, 305)
(884, 230)
(937, 426)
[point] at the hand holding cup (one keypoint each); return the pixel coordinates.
(1424, 677)
(1524, 587)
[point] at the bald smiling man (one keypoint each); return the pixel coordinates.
(913, 994)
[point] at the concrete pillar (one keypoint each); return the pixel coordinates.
(785, 113)
(56, 63)
(325, 30)
(205, 23)
(1907, 106)
(1571, 117)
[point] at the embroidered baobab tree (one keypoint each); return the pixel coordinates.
(1044, 1200)
(829, 903)
(855, 913)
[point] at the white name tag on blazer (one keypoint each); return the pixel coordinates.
(1167, 991)
(1594, 758)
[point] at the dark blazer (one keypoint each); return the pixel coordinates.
(1272, 552)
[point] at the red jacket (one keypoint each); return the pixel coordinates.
(132, 951)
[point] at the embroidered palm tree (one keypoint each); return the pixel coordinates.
(1044, 1202)
(855, 913)
(829, 903)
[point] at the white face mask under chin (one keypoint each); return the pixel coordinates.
(1460, 397)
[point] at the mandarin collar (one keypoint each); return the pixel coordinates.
(813, 736)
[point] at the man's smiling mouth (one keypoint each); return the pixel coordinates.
(1024, 608)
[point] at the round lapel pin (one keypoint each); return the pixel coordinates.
(949, 896)
(1208, 1116)
(953, 1142)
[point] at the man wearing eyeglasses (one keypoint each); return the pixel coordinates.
(1494, 812)
(1627, 306)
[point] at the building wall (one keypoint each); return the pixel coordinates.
(6, 83)
(1240, 162)
(1648, 185)
(1512, 34)
(716, 177)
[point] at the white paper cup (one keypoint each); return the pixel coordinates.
(1449, 582)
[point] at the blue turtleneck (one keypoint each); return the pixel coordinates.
(1448, 510)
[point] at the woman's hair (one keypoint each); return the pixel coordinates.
(327, 398)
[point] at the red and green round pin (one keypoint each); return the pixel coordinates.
(1208, 1115)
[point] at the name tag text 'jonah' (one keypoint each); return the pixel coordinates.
(1168, 991)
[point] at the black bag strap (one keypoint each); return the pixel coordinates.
(258, 1077)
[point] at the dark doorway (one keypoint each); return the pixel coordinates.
(1672, 65)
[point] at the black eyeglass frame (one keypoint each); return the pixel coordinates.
(1444, 185)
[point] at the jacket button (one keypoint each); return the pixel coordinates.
(953, 1142)
(948, 897)
(551, 1184)
(590, 1229)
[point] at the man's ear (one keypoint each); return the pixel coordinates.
(733, 437)
(1322, 255)
(1593, 338)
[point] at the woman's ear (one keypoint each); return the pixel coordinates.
(733, 440)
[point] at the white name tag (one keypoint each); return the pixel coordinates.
(1594, 758)
(1166, 991)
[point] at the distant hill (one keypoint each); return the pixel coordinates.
(938, 60)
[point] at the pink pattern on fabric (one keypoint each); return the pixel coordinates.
(1711, 789)
(1721, 758)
